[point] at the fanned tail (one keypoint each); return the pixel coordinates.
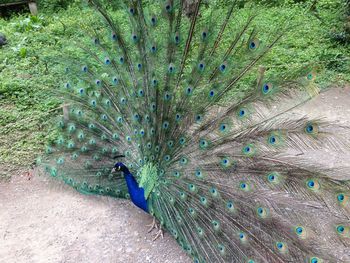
(230, 178)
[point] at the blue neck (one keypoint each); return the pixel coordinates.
(137, 194)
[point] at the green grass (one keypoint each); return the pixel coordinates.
(28, 71)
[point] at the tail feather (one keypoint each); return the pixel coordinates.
(236, 183)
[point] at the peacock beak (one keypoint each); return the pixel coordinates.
(113, 170)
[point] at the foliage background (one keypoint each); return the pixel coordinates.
(28, 68)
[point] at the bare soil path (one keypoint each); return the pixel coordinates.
(42, 220)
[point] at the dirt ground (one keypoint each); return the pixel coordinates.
(42, 220)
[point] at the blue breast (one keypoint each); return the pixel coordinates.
(137, 194)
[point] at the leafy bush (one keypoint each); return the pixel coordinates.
(53, 5)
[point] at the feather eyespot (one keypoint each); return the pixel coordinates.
(136, 117)
(167, 96)
(273, 177)
(178, 117)
(225, 162)
(272, 139)
(153, 21)
(204, 35)
(311, 76)
(242, 237)
(249, 150)
(171, 68)
(201, 66)
(242, 113)
(183, 196)
(300, 232)
(168, 7)
(313, 185)
(60, 160)
(170, 144)
(189, 91)
(253, 44)
(315, 260)
(198, 173)
(267, 88)
(153, 131)
(141, 92)
(153, 106)
(311, 128)
(166, 125)
(200, 231)
(221, 249)
(281, 247)
(203, 144)
(203, 200)
(177, 39)
(183, 161)
(182, 140)
(154, 82)
(198, 118)
(262, 212)
(211, 94)
(153, 49)
(230, 206)
(134, 37)
(341, 197)
(340, 229)
(223, 67)
(216, 225)
(191, 211)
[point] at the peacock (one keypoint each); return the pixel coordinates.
(154, 112)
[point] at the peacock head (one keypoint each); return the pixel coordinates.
(120, 167)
